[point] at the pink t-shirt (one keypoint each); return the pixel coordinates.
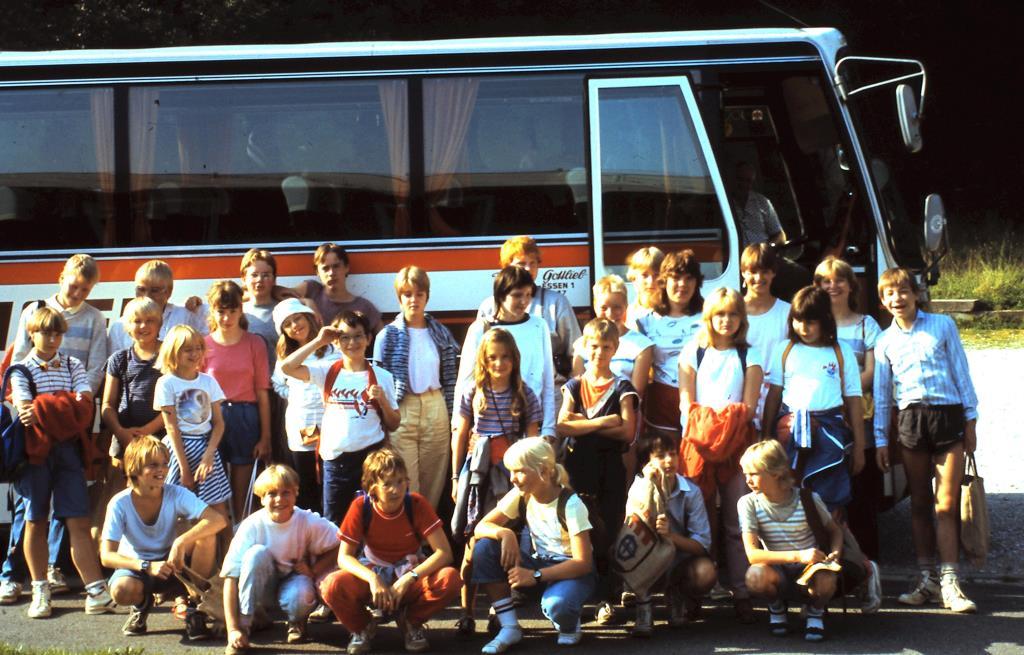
(241, 369)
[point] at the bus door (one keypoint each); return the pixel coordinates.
(654, 178)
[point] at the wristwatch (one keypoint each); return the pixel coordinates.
(144, 566)
(536, 575)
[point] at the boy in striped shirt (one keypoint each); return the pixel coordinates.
(921, 367)
(61, 471)
(86, 341)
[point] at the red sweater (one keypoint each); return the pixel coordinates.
(60, 416)
(713, 444)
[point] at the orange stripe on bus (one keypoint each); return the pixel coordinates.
(187, 267)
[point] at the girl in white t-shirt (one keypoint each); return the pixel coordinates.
(298, 324)
(513, 294)
(718, 370)
(673, 323)
(767, 316)
(859, 332)
(814, 378)
(189, 401)
(560, 563)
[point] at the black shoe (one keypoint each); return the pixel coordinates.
(195, 626)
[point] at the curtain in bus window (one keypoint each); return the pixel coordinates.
(144, 107)
(447, 109)
(102, 105)
(395, 107)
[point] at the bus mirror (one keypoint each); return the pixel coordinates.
(909, 117)
(934, 224)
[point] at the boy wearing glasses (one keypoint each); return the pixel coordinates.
(154, 280)
(359, 406)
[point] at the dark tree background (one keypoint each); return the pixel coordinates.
(972, 152)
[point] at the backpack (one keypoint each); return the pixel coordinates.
(12, 432)
(740, 350)
(599, 541)
(367, 515)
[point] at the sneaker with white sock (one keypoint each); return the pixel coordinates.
(99, 602)
(359, 643)
(58, 581)
(571, 638)
(502, 641)
(872, 599)
(954, 599)
(10, 592)
(925, 590)
(40, 607)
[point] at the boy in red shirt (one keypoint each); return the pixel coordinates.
(381, 559)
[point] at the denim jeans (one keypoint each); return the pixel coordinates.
(560, 600)
(15, 569)
(260, 584)
(342, 479)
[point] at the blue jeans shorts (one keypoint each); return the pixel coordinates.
(241, 432)
(62, 476)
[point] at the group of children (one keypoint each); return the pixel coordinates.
(729, 406)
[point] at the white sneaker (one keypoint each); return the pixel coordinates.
(925, 590)
(100, 603)
(10, 592)
(872, 590)
(605, 613)
(40, 607)
(359, 643)
(58, 582)
(505, 638)
(953, 598)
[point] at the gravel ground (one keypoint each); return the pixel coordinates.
(997, 375)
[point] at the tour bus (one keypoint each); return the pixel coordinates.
(435, 152)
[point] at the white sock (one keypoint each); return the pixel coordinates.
(777, 612)
(505, 610)
(40, 585)
(948, 573)
(815, 617)
(96, 587)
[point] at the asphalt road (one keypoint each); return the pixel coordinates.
(998, 628)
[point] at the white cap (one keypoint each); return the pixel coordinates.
(288, 307)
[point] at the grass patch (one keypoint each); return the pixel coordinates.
(975, 338)
(7, 649)
(986, 261)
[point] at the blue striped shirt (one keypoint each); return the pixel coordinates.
(925, 364)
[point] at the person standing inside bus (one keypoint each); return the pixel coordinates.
(423, 357)
(551, 306)
(86, 341)
(330, 292)
(675, 320)
(237, 360)
(155, 280)
(642, 270)
(767, 316)
(513, 293)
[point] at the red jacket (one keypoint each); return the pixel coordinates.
(713, 444)
(60, 416)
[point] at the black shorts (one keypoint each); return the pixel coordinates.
(933, 429)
